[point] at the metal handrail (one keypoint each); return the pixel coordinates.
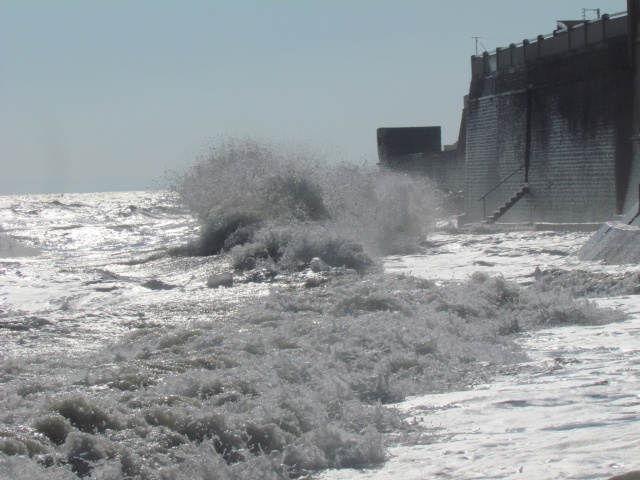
(484, 213)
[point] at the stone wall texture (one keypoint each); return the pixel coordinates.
(446, 169)
(574, 109)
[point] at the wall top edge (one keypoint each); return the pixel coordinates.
(579, 26)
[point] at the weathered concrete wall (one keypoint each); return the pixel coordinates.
(580, 142)
(417, 150)
(400, 141)
(495, 150)
(578, 36)
(564, 116)
(615, 243)
(633, 9)
(619, 242)
(446, 168)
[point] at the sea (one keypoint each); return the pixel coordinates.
(272, 319)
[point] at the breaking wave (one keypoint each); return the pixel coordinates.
(284, 386)
(260, 200)
(235, 383)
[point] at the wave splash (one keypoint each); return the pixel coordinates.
(231, 384)
(265, 201)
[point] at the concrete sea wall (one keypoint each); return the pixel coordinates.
(555, 115)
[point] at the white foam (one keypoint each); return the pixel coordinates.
(573, 411)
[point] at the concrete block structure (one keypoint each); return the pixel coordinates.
(550, 131)
(418, 151)
(397, 142)
(553, 120)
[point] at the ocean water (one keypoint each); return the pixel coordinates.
(271, 317)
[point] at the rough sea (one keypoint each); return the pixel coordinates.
(298, 321)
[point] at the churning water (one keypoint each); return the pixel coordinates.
(243, 326)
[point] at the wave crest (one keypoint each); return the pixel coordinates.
(293, 204)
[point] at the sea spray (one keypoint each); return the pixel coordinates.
(284, 385)
(284, 203)
(252, 381)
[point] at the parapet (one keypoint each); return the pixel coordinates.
(561, 41)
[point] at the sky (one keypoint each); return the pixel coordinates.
(109, 95)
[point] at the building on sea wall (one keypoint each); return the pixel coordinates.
(549, 129)
(419, 151)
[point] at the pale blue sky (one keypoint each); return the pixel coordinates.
(107, 95)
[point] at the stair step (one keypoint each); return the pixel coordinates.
(504, 208)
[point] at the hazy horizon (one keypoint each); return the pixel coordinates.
(100, 96)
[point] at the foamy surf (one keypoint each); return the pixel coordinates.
(123, 358)
(572, 411)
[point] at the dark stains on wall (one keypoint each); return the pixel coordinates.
(551, 119)
(567, 118)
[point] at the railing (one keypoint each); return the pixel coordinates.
(581, 35)
(549, 35)
(484, 213)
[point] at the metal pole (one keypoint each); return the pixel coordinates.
(585, 10)
(476, 45)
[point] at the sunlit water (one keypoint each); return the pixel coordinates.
(82, 282)
(572, 411)
(107, 375)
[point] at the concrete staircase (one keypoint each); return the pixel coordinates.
(504, 208)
